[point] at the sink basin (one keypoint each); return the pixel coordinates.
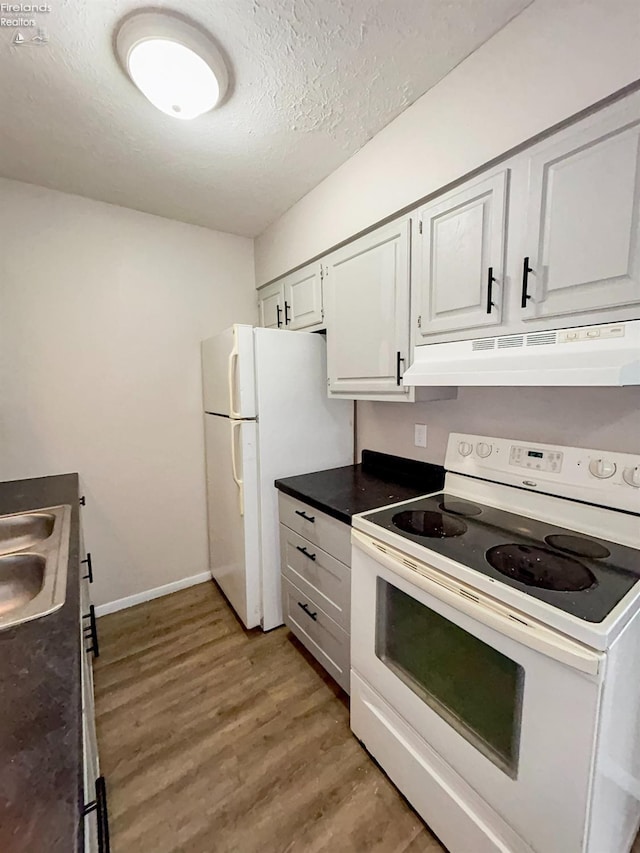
(21, 579)
(24, 530)
(34, 552)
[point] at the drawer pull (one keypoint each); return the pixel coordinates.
(490, 279)
(526, 269)
(89, 575)
(399, 361)
(306, 553)
(306, 517)
(305, 607)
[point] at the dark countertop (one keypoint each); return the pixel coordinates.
(379, 480)
(40, 702)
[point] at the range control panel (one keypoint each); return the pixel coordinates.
(536, 459)
(602, 477)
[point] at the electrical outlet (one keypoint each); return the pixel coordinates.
(420, 435)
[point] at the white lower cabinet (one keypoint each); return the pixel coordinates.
(95, 814)
(90, 761)
(317, 574)
(316, 584)
(316, 527)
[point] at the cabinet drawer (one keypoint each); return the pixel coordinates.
(326, 640)
(317, 527)
(320, 576)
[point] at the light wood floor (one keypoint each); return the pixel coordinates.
(218, 740)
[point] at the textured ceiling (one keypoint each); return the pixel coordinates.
(312, 81)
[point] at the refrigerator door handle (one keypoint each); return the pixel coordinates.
(233, 361)
(234, 466)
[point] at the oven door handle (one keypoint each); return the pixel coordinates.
(517, 627)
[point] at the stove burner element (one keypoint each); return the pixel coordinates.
(433, 525)
(465, 508)
(577, 545)
(540, 567)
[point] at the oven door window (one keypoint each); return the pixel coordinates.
(475, 688)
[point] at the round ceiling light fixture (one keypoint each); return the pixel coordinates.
(173, 63)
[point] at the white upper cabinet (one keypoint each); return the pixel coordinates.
(303, 297)
(367, 303)
(583, 222)
(271, 305)
(461, 259)
(293, 302)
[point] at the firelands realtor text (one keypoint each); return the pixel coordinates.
(21, 9)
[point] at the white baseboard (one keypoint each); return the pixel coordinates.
(150, 594)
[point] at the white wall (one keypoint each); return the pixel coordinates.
(602, 418)
(555, 59)
(102, 312)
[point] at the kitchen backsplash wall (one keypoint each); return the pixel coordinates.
(102, 310)
(607, 418)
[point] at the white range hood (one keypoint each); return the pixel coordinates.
(584, 355)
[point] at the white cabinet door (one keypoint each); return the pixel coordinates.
(303, 297)
(271, 305)
(367, 304)
(461, 252)
(583, 222)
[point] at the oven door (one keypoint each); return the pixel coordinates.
(509, 705)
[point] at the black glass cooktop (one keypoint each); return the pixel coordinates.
(580, 574)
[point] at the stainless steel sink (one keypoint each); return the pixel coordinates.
(21, 579)
(24, 530)
(34, 551)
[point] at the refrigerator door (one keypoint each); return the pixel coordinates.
(233, 513)
(228, 384)
(299, 430)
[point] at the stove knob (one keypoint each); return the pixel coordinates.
(464, 448)
(483, 449)
(631, 476)
(602, 468)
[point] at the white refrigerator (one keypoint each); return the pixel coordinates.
(267, 416)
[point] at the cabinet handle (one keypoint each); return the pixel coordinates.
(306, 517)
(399, 360)
(278, 313)
(286, 313)
(306, 553)
(89, 575)
(490, 279)
(311, 615)
(526, 269)
(91, 631)
(99, 805)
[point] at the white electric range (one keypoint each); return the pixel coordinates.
(495, 637)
